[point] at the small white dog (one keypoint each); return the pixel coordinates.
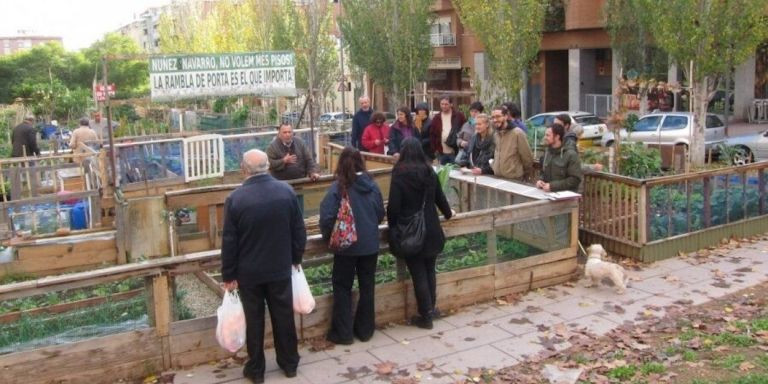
(597, 269)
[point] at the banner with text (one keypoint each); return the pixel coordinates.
(174, 77)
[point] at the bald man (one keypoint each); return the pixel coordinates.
(263, 236)
(360, 121)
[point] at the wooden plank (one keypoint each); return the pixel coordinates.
(93, 356)
(524, 278)
(531, 261)
(210, 282)
(519, 213)
(212, 226)
(642, 215)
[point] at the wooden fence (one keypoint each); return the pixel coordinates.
(168, 343)
(654, 219)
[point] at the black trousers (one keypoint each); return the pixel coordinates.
(278, 296)
(343, 326)
(423, 275)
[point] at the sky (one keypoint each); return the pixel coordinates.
(78, 22)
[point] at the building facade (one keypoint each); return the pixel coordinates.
(14, 44)
(576, 68)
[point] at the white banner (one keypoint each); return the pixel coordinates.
(191, 76)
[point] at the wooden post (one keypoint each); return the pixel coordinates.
(490, 241)
(160, 312)
(120, 234)
(213, 226)
(642, 215)
(761, 193)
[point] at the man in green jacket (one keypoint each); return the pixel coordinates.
(560, 167)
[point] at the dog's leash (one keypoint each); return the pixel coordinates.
(581, 247)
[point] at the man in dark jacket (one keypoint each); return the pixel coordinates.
(561, 167)
(445, 127)
(289, 156)
(263, 236)
(24, 139)
(361, 120)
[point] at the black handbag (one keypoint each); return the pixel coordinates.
(412, 232)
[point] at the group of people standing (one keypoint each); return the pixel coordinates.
(264, 234)
(495, 144)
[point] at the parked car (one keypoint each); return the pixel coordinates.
(594, 127)
(335, 116)
(671, 128)
(754, 147)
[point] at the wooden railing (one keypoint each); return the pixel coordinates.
(638, 212)
(170, 343)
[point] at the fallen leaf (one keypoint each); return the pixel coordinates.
(746, 366)
(321, 344)
(478, 323)
(385, 368)
(671, 278)
(561, 330)
(718, 273)
(533, 309)
(425, 365)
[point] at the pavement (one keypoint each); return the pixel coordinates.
(498, 334)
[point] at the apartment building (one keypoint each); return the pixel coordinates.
(576, 68)
(13, 44)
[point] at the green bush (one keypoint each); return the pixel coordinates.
(639, 162)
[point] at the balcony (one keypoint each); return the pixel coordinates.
(442, 39)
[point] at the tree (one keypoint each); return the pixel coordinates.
(706, 38)
(511, 32)
(307, 28)
(128, 67)
(389, 39)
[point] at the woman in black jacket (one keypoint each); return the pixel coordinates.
(360, 257)
(415, 186)
(481, 147)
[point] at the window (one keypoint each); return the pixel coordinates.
(441, 33)
(588, 120)
(713, 122)
(145, 31)
(673, 123)
(648, 124)
(537, 121)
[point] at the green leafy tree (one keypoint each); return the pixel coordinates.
(389, 39)
(511, 32)
(128, 67)
(705, 38)
(306, 28)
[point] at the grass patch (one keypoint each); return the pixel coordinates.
(730, 362)
(734, 340)
(690, 355)
(623, 373)
(652, 367)
(760, 324)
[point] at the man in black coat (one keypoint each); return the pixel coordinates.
(24, 139)
(361, 120)
(263, 235)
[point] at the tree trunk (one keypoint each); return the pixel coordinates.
(699, 103)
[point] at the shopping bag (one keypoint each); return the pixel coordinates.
(344, 232)
(303, 302)
(230, 328)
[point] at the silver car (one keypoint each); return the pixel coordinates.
(670, 128)
(594, 128)
(754, 147)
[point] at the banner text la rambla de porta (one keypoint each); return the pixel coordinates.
(174, 77)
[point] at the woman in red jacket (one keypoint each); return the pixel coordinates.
(376, 134)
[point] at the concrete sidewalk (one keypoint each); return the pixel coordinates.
(496, 334)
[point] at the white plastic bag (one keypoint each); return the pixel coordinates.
(303, 302)
(230, 329)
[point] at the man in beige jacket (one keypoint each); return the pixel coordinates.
(512, 158)
(83, 134)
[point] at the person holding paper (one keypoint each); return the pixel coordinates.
(560, 165)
